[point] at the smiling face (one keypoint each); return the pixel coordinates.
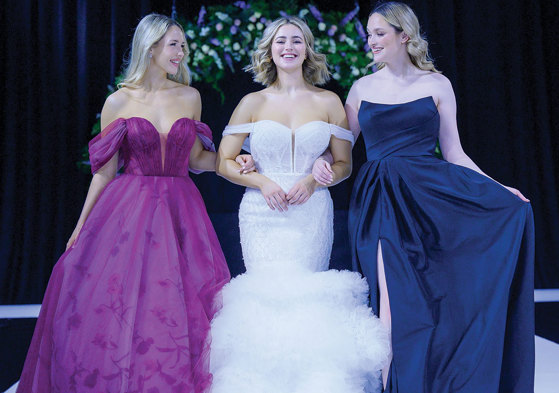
(169, 51)
(289, 47)
(385, 41)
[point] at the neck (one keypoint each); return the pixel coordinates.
(155, 78)
(290, 81)
(401, 67)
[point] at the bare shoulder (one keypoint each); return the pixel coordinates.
(328, 98)
(114, 106)
(188, 94)
(439, 81)
(247, 107)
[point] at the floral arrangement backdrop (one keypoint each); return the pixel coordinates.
(222, 38)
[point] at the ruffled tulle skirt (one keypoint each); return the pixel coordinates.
(297, 332)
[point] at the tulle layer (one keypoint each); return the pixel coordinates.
(296, 331)
(128, 307)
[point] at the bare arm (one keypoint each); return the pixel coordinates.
(322, 168)
(352, 109)
(449, 138)
(103, 175)
(228, 168)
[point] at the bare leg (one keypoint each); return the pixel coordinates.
(384, 310)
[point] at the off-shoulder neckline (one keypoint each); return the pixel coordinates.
(287, 127)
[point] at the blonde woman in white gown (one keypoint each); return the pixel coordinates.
(289, 325)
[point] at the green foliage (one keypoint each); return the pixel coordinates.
(226, 35)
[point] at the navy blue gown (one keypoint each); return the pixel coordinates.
(458, 254)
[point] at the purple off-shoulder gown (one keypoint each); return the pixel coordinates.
(127, 308)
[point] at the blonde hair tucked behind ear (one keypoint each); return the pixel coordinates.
(315, 68)
(402, 18)
(149, 32)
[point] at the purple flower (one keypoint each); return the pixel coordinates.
(215, 41)
(263, 20)
(229, 61)
(316, 13)
(350, 15)
(360, 30)
(242, 5)
(201, 15)
(332, 31)
(284, 14)
(233, 29)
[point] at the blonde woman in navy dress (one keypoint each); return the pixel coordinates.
(449, 249)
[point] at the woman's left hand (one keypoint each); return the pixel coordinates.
(246, 162)
(517, 193)
(301, 191)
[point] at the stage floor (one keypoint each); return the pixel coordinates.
(17, 324)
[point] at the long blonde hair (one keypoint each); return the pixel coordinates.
(148, 33)
(262, 67)
(402, 18)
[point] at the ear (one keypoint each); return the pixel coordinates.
(405, 38)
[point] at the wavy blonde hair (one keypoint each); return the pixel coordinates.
(262, 67)
(402, 18)
(148, 33)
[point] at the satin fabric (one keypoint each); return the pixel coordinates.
(458, 253)
(127, 308)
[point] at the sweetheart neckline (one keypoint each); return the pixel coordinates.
(166, 134)
(284, 126)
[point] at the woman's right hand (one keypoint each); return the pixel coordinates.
(73, 237)
(274, 195)
(322, 172)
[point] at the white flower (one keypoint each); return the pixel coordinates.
(322, 26)
(257, 14)
(204, 31)
(336, 76)
(226, 41)
(242, 51)
(190, 34)
(193, 46)
(205, 48)
(354, 71)
(222, 16)
(252, 18)
(259, 26)
(219, 26)
(369, 55)
(303, 12)
(349, 41)
(236, 46)
(237, 22)
(212, 52)
(250, 27)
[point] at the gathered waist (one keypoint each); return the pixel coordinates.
(152, 176)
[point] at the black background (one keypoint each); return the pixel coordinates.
(59, 56)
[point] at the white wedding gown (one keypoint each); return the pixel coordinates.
(289, 325)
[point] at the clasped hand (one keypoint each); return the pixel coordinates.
(277, 198)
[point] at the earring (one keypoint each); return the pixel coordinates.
(150, 55)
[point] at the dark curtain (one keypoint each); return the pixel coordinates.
(59, 57)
